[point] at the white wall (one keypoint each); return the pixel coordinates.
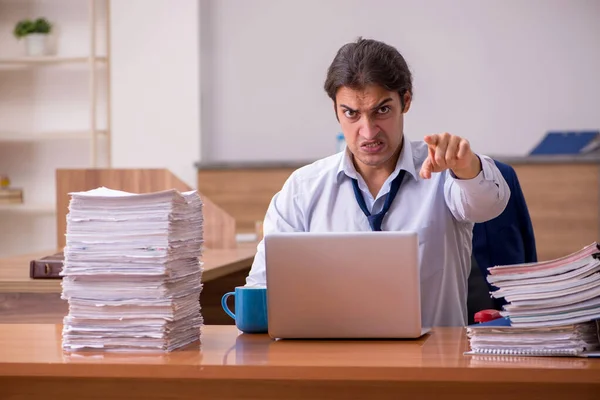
(500, 73)
(155, 72)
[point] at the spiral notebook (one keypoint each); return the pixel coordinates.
(498, 337)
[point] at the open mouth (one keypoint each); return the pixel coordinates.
(372, 146)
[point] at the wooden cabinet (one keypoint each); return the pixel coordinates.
(563, 203)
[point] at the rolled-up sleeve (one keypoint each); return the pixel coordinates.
(479, 199)
(283, 215)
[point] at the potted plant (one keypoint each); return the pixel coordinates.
(35, 33)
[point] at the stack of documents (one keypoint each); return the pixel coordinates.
(500, 338)
(551, 293)
(132, 271)
(552, 308)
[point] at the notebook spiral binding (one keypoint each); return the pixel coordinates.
(529, 352)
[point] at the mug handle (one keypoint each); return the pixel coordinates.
(224, 304)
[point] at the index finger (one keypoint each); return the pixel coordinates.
(432, 140)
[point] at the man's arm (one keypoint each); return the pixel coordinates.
(478, 199)
(283, 215)
(474, 190)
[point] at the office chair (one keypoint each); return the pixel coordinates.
(478, 295)
(504, 240)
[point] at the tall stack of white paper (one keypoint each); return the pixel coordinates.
(132, 271)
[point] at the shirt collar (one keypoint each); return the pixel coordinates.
(405, 162)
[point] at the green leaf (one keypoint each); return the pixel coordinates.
(26, 27)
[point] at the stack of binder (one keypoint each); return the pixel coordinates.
(132, 270)
(553, 307)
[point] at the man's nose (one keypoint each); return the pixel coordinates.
(369, 129)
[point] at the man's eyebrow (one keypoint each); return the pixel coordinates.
(381, 103)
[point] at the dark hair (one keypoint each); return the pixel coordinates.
(366, 62)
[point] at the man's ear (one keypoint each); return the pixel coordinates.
(407, 100)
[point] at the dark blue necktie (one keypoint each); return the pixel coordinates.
(376, 220)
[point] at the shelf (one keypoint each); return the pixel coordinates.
(24, 208)
(46, 60)
(46, 136)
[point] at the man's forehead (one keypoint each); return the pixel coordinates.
(366, 97)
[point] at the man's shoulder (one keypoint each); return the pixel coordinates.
(327, 166)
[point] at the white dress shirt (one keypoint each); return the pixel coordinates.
(320, 198)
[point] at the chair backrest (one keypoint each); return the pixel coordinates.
(508, 238)
(478, 297)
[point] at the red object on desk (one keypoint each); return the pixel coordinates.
(487, 315)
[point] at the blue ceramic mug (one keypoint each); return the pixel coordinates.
(250, 308)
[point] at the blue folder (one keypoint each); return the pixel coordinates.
(504, 321)
(578, 142)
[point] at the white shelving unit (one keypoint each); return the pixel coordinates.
(54, 110)
(47, 60)
(24, 136)
(38, 209)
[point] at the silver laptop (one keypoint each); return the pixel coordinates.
(343, 285)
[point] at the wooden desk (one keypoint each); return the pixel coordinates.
(230, 365)
(23, 299)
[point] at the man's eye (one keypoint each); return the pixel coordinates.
(350, 113)
(383, 110)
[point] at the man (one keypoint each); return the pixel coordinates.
(437, 187)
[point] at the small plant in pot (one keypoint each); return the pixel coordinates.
(35, 33)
